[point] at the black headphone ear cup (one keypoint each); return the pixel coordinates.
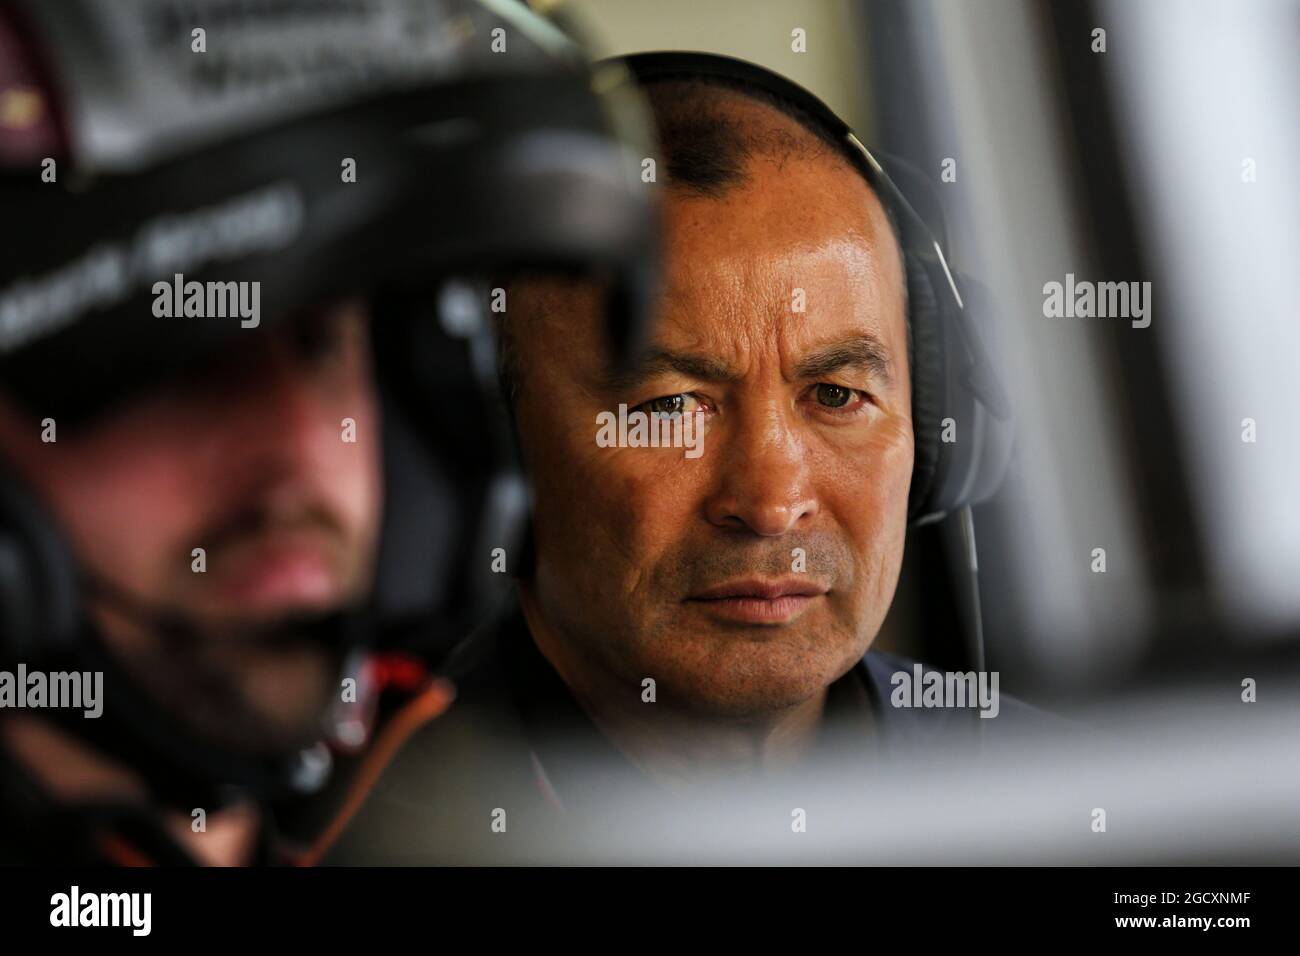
(968, 466)
(39, 610)
(929, 378)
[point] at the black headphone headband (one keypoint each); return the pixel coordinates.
(959, 462)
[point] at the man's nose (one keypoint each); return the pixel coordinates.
(764, 483)
(282, 413)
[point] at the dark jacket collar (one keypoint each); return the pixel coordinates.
(566, 744)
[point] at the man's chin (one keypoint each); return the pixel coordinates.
(253, 685)
(267, 698)
(733, 680)
(287, 691)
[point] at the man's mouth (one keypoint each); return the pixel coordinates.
(759, 601)
(279, 572)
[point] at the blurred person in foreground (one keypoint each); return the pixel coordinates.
(206, 344)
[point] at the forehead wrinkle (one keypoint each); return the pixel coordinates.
(752, 298)
(841, 281)
(704, 300)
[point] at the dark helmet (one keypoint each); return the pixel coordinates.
(128, 155)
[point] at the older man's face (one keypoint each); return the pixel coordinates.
(747, 579)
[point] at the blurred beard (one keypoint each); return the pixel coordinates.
(252, 683)
(252, 686)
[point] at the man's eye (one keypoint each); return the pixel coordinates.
(667, 405)
(834, 396)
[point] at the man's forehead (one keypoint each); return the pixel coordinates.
(805, 293)
(798, 255)
(804, 214)
(792, 271)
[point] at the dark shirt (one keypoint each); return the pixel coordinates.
(517, 772)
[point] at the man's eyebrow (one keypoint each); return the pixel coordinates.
(861, 351)
(661, 361)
